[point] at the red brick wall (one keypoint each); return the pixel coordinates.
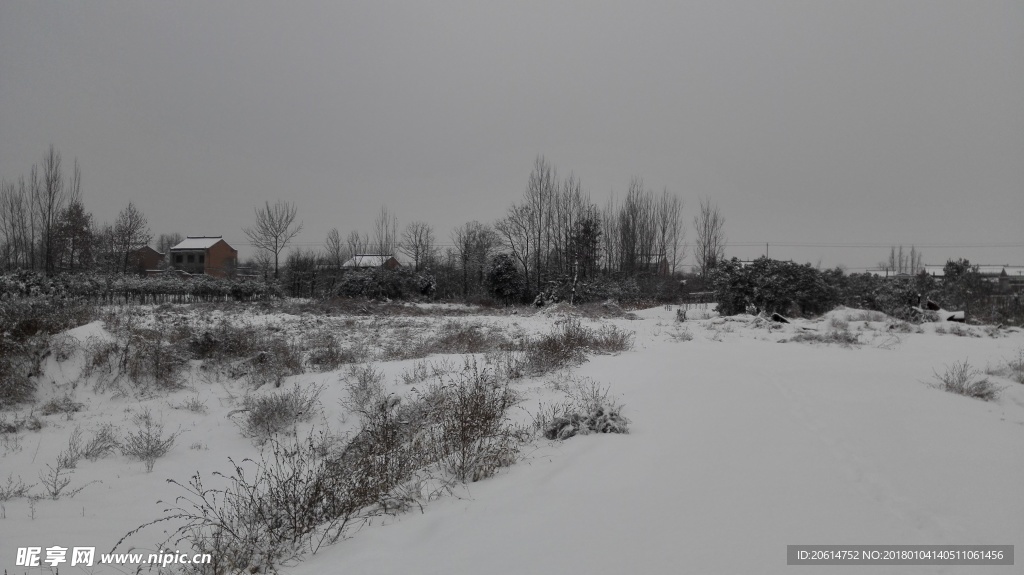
(221, 260)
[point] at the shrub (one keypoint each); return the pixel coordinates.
(148, 442)
(460, 337)
(364, 386)
(963, 379)
(268, 415)
(590, 410)
(56, 480)
(401, 283)
(470, 430)
(69, 458)
(300, 494)
(103, 442)
(326, 352)
(14, 488)
(277, 360)
(1016, 366)
(63, 404)
(273, 509)
(568, 342)
(193, 404)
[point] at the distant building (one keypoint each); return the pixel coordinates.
(209, 255)
(145, 259)
(656, 264)
(371, 261)
(1009, 278)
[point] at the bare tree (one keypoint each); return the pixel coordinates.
(335, 252)
(357, 243)
(516, 232)
(418, 243)
(474, 242)
(167, 241)
(275, 227)
(710, 241)
(903, 263)
(670, 231)
(637, 228)
(48, 203)
(385, 229)
(15, 206)
(130, 233)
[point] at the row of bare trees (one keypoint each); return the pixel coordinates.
(555, 232)
(903, 262)
(44, 225)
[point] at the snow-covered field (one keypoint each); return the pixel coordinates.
(745, 437)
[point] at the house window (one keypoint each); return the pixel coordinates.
(177, 259)
(191, 258)
(202, 258)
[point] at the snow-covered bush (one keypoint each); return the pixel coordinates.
(590, 409)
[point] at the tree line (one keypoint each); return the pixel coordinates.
(554, 238)
(45, 227)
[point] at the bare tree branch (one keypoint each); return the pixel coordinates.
(275, 227)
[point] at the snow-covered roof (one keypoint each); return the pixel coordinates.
(198, 243)
(1014, 271)
(990, 270)
(367, 261)
(937, 271)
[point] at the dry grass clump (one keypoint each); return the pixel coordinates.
(62, 404)
(277, 412)
(326, 352)
(567, 344)
(103, 442)
(1015, 366)
(962, 379)
(424, 370)
(364, 386)
(867, 315)
(460, 337)
(278, 359)
(843, 338)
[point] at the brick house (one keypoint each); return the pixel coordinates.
(209, 255)
(145, 259)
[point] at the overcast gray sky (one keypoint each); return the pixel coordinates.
(860, 122)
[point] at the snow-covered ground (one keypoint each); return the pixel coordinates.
(741, 443)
